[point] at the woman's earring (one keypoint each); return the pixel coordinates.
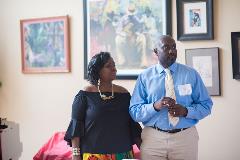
(99, 82)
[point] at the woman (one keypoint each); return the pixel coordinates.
(101, 127)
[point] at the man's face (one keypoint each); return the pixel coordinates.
(166, 51)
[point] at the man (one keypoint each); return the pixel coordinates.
(169, 119)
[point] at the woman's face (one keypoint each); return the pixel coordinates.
(109, 71)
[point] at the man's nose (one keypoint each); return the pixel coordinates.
(114, 69)
(172, 51)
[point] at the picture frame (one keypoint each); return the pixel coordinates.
(235, 41)
(120, 27)
(194, 20)
(45, 45)
(206, 62)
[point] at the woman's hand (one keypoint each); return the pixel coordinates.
(138, 141)
(76, 158)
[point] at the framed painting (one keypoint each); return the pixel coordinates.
(194, 20)
(235, 37)
(206, 62)
(127, 29)
(45, 45)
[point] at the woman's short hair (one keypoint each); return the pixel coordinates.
(95, 65)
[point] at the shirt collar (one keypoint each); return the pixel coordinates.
(172, 68)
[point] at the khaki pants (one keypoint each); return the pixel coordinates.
(157, 145)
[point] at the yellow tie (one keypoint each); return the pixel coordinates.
(169, 86)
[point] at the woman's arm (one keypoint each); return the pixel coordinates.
(136, 131)
(76, 148)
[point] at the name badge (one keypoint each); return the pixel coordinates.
(185, 89)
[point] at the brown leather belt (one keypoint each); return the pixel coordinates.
(169, 131)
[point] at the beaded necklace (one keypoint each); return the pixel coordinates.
(103, 96)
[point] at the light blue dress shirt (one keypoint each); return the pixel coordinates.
(189, 90)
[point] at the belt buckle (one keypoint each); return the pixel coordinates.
(172, 131)
(169, 131)
(175, 130)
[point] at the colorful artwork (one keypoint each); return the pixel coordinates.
(127, 29)
(44, 45)
(195, 18)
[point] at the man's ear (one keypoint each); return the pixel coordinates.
(155, 51)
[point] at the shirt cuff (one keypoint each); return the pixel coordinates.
(190, 113)
(150, 109)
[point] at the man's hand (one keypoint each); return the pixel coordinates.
(164, 102)
(177, 110)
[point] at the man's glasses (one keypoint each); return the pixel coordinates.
(165, 48)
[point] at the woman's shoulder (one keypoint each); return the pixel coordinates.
(87, 90)
(120, 89)
(90, 88)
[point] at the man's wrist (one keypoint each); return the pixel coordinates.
(185, 112)
(155, 107)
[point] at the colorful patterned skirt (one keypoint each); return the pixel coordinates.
(117, 156)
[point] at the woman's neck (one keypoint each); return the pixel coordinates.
(106, 86)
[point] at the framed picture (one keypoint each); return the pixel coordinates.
(194, 20)
(206, 62)
(45, 45)
(235, 37)
(127, 29)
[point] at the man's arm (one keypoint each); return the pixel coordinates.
(139, 110)
(202, 103)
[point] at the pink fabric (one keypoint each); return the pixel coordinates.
(56, 148)
(136, 151)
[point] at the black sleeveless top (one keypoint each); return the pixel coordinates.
(104, 126)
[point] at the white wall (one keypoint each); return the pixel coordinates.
(40, 104)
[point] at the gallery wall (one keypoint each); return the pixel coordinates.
(40, 104)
